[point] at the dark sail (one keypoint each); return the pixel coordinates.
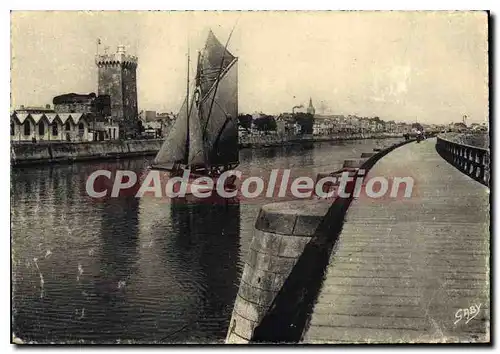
(174, 147)
(196, 154)
(215, 58)
(219, 114)
(212, 137)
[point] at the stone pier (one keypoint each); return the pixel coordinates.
(290, 249)
(282, 230)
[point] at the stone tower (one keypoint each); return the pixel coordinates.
(117, 78)
(311, 109)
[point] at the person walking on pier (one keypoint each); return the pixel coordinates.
(419, 136)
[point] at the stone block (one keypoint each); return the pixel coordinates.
(262, 298)
(251, 259)
(249, 310)
(242, 326)
(261, 260)
(258, 260)
(266, 242)
(293, 246)
(271, 219)
(233, 338)
(258, 278)
(282, 218)
(282, 265)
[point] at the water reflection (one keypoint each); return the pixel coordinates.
(208, 236)
(117, 263)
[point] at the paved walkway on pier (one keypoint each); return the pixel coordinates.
(402, 270)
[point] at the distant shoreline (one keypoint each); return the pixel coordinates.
(47, 153)
(273, 141)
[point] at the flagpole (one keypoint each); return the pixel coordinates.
(187, 107)
(97, 46)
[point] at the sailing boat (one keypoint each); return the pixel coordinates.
(204, 137)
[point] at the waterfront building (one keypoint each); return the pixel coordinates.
(353, 120)
(376, 126)
(164, 121)
(167, 118)
(148, 116)
(242, 132)
(402, 127)
(155, 124)
(341, 124)
(74, 103)
(323, 127)
(105, 128)
(457, 127)
(280, 126)
(478, 127)
(24, 127)
(390, 126)
(117, 78)
(364, 124)
(290, 125)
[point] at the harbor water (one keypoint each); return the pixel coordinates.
(129, 270)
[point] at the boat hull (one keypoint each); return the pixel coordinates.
(195, 187)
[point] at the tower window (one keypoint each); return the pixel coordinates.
(27, 128)
(55, 129)
(41, 128)
(67, 126)
(12, 128)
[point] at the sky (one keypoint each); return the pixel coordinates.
(430, 67)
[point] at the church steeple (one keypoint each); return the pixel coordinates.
(310, 109)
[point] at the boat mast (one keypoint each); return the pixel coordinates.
(187, 86)
(186, 156)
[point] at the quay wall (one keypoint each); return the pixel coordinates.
(289, 252)
(43, 153)
(60, 152)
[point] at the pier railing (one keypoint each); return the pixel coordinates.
(471, 160)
